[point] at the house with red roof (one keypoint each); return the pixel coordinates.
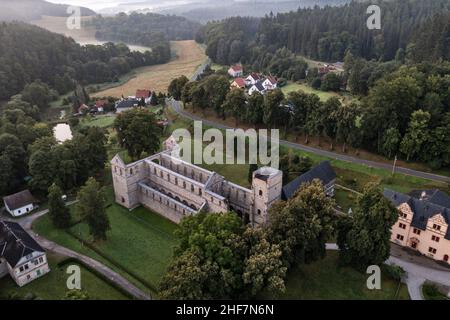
(236, 71)
(270, 83)
(144, 94)
(252, 79)
(238, 83)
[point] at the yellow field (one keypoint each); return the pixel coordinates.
(189, 56)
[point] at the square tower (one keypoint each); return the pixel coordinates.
(267, 185)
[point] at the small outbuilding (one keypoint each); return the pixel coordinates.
(20, 203)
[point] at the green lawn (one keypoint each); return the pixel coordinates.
(323, 95)
(52, 286)
(102, 121)
(325, 280)
(345, 199)
(140, 240)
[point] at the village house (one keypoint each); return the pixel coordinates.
(236, 71)
(257, 87)
(20, 203)
(238, 83)
(143, 94)
(20, 255)
(323, 172)
(252, 79)
(126, 104)
(423, 223)
(270, 83)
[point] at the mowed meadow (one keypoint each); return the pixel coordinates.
(188, 57)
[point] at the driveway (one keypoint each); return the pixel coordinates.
(177, 106)
(27, 222)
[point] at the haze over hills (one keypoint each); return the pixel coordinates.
(200, 10)
(26, 10)
(217, 10)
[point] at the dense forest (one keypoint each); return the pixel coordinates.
(328, 33)
(28, 53)
(27, 10)
(144, 29)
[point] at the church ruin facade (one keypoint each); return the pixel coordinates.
(175, 189)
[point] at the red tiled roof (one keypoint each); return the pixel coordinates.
(143, 94)
(240, 82)
(100, 103)
(236, 68)
(272, 79)
(254, 76)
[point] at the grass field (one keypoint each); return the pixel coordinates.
(325, 280)
(189, 56)
(324, 96)
(52, 286)
(140, 240)
(102, 121)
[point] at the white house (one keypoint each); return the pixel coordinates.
(20, 203)
(252, 79)
(257, 87)
(20, 255)
(236, 71)
(270, 83)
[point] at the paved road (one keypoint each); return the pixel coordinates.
(176, 105)
(27, 222)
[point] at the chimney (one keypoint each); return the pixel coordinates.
(423, 195)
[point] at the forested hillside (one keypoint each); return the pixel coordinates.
(144, 29)
(328, 33)
(27, 10)
(28, 53)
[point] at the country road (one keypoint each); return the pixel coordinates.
(176, 105)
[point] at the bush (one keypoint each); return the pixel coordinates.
(431, 292)
(394, 272)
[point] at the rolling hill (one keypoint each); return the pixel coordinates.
(27, 10)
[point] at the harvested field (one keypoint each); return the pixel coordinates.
(189, 56)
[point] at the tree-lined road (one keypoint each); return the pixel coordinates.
(177, 107)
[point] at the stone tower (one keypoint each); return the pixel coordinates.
(267, 185)
(125, 180)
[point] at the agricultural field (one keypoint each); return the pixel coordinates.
(52, 286)
(189, 56)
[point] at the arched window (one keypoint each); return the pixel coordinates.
(131, 170)
(446, 258)
(184, 184)
(259, 212)
(192, 188)
(199, 192)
